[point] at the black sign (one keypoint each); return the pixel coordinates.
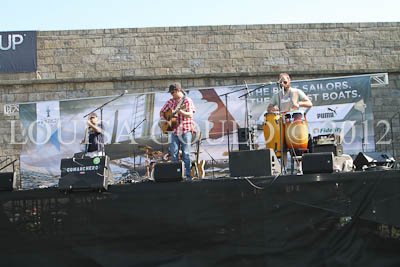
(83, 174)
(86, 166)
(18, 52)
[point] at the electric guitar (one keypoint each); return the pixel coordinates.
(170, 119)
(197, 171)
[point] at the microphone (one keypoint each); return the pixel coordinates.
(279, 83)
(245, 83)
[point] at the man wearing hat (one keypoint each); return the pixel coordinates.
(94, 138)
(182, 108)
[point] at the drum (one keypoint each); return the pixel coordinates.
(271, 132)
(296, 130)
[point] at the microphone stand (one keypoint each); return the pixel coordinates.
(363, 133)
(248, 115)
(101, 115)
(133, 131)
(283, 167)
(226, 114)
(212, 162)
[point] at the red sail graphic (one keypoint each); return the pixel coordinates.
(219, 116)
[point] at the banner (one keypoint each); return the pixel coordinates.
(342, 106)
(18, 52)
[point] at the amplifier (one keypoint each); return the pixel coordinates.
(327, 139)
(169, 171)
(261, 162)
(317, 162)
(336, 149)
(85, 174)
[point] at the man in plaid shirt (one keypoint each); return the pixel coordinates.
(181, 136)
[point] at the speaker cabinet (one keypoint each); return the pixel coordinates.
(85, 174)
(373, 159)
(169, 172)
(7, 181)
(261, 162)
(317, 162)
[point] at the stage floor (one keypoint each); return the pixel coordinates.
(338, 219)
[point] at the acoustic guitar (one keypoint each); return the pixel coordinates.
(170, 119)
(197, 171)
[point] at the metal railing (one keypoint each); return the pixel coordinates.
(385, 138)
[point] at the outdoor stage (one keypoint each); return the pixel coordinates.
(339, 219)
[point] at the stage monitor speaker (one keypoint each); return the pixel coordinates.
(373, 159)
(85, 174)
(261, 162)
(169, 172)
(7, 181)
(317, 162)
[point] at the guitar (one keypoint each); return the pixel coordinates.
(197, 171)
(171, 120)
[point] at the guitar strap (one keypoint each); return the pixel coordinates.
(180, 103)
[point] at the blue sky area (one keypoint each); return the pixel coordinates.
(44, 15)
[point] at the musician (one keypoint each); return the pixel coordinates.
(183, 130)
(290, 98)
(94, 138)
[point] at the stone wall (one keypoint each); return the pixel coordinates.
(86, 63)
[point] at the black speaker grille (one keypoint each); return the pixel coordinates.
(317, 162)
(261, 162)
(168, 172)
